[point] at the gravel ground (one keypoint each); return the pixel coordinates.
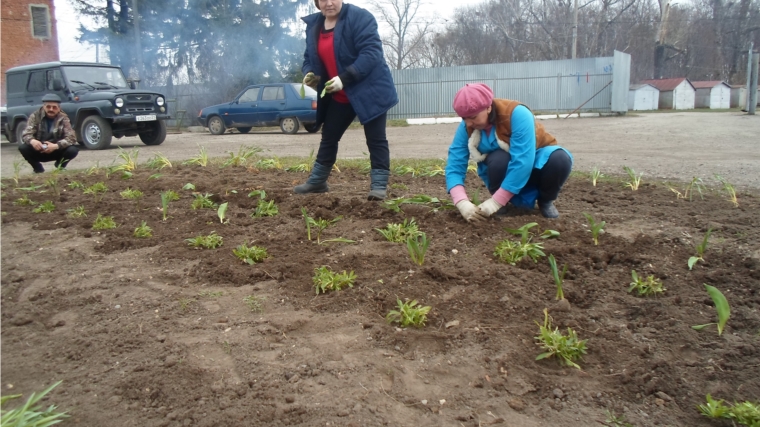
(671, 145)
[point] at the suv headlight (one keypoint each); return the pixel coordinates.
(160, 101)
(118, 102)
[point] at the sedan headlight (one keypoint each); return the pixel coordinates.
(118, 102)
(160, 101)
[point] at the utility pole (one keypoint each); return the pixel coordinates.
(575, 27)
(749, 72)
(138, 45)
(753, 84)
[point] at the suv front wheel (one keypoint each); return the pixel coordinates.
(155, 135)
(96, 133)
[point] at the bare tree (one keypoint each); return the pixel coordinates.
(408, 31)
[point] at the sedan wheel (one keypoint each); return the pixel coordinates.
(216, 125)
(289, 125)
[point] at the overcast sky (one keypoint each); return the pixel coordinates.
(68, 22)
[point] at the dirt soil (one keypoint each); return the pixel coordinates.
(150, 332)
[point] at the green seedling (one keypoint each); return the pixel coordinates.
(550, 234)
(154, 176)
(76, 185)
(714, 408)
(173, 195)
(32, 187)
(729, 189)
(93, 170)
(327, 280)
(559, 278)
(420, 199)
(596, 227)
(701, 249)
(17, 170)
(650, 286)
(241, 158)
(24, 201)
(203, 201)
(634, 181)
(211, 241)
(210, 294)
(103, 223)
(250, 255)
(97, 190)
(265, 208)
(52, 182)
(130, 194)
(200, 160)
(746, 413)
(320, 224)
(77, 212)
(721, 306)
(261, 194)
(254, 303)
(159, 161)
(595, 175)
(143, 231)
(616, 421)
(399, 233)
(688, 192)
(166, 197)
(129, 160)
(266, 164)
(408, 314)
(567, 348)
(436, 170)
(222, 211)
(45, 207)
(303, 167)
(417, 247)
(523, 232)
(30, 414)
(189, 187)
(511, 252)
(185, 303)
(406, 170)
(126, 175)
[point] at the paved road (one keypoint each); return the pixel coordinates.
(677, 145)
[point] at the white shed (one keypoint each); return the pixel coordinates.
(738, 96)
(675, 94)
(712, 94)
(643, 97)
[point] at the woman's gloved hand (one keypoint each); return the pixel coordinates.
(311, 80)
(469, 211)
(488, 208)
(334, 85)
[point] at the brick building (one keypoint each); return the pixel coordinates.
(27, 35)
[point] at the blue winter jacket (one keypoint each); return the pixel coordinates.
(366, 78)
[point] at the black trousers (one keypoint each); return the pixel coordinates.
(339, 116)
(548, 180)
(35, 157)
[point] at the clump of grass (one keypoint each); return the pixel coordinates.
(159, 161)
(254, 303)
(129, 160)
(103, 223)
(203, 201)
(97, 190)
(241, 157)
(408, 314)
(688, 192)
(250, 255)
(417, 247)
(130, 194)
(745, 413)
(76, 185)
(211, 241)
(77, 212)
(398, 233)
(320, 224)
(511, 252)
(185, 303)
(45, 207)
(143, 231)
(729, 189)
(210, 294)
(645, 287)
(567, 348)
(633, 181)
(24, 201)
(265, 164)
(265, 208)
(30, 414)
(200, 160)
(327, 280)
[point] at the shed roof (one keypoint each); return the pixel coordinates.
(639, 86)
(667, 84)
(708, 84)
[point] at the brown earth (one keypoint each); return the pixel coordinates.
(149, 332)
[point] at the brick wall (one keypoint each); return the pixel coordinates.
(18, 46)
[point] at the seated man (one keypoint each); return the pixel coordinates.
(48, 136)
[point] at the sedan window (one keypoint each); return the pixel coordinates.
(273, 92)
(251, 95)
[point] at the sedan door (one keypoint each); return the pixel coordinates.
(242, 111)
(272, 105)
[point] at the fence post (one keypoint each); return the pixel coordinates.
(559, 94)
(753, 83)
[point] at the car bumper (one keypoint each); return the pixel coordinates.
(128, 118)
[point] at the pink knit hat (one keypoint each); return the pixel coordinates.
(472, 99)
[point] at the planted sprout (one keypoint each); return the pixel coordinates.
(549, 234)
(17, 170)
(303, 167)
(523, 232)
(596, 227)
(76, 184)
(273, 163)
(398, 233)
(254, 303)
(130, 194)
(166, 197)
(617, 421)
(221, 212)
(159, 161)
(250, 255)
(129, 160)
(714, 408)
(203, 201)
(744, 413)
(634, 181)
(408, 314)
(241, 158)
(645, 287)
(211, 241)
(700, 248)
(103, 223)
(143, 231)
(200, 160)
(155, 176)
(45, 207)
(265, 208)
(327, 280)
(567, 348)
(729, 189)
(30, 414)
(511, 252)
(97, 190)
(52, 182)
(595, 175)
(76, 212)
(261, 194)
(688, 192)
(417, 247)
(189, 186)
(721, 306)
(24, 201)
(320, 224)
(559, 278)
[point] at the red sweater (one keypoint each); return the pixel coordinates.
(327, 55)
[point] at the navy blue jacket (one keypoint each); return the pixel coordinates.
(366, 78)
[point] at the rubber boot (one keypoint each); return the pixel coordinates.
(378, 184)
(317, 182)
(548, 210)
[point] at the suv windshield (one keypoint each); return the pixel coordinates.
(95, 76)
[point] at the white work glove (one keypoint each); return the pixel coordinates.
(488, 208)
(334, 85)
(311, 80)
(469, 211)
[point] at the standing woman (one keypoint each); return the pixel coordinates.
(519, 162)
(344, 57)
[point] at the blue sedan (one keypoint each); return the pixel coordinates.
(274, 104)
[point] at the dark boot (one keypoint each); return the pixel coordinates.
(378, 184)
(548, 210)
(37, 166)
(317, 182)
